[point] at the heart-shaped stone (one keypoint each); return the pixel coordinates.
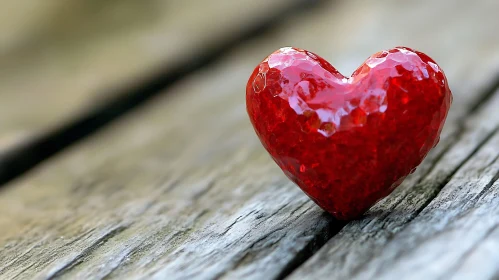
(348, 142)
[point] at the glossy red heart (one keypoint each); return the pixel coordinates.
(348, 142)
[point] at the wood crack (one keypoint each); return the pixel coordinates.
(488, 186)
(19, 258)
(433, 196)
(142, 247)
(237, 220)
(448, 178)
(434, 193)
(85, 253)
(22, 271)
(331, 228)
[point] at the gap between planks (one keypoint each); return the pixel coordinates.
(458, 136)
(461, 137)
(27, 154)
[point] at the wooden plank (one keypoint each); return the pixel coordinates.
(180, 191)
(59, 59)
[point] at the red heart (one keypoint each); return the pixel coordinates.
(348, 142)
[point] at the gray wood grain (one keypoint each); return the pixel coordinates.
(183, 189)
(60, 58)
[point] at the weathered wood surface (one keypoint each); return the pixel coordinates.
(59, 58)
(182, 188)
(436, 225)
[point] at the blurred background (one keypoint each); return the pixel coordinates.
(69, 63)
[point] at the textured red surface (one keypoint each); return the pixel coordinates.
(348, 142)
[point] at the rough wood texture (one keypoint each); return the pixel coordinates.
(59, 58)
(434, 222)
(183, 189)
